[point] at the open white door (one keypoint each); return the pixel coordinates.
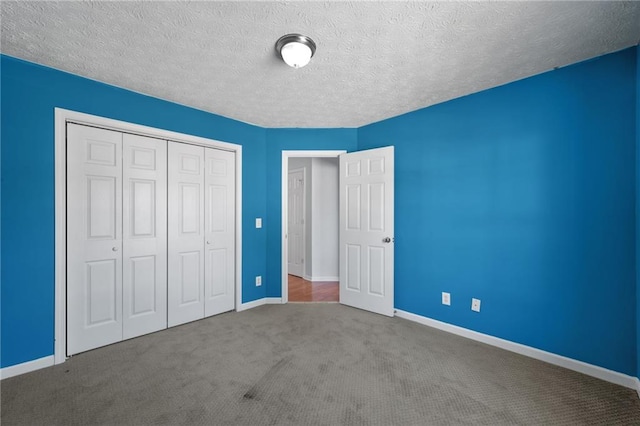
(296, 216)
(366, 230)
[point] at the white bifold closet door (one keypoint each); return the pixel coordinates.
(186, 233)
(219, 231)
(116, 236)
(144, 230)
(201, 231)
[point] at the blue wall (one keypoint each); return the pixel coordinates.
(29, 95)
(279, 140)
(524, 196)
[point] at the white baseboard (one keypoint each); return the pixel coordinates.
(260, 302)
(638, 386)
(551, 358)
(316, 279)
(26, 367)
(251, 305)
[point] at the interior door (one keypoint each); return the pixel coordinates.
(219, 212)
(295, 219)
(366, 230)
(144, 223)
(185, 233)
(94, 238)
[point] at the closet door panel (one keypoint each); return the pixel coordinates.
(94, 238)
(219, 231)
(185, 233)
(145, 235)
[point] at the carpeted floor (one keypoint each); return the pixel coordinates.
(314, 364)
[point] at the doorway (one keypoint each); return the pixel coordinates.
(310, 262)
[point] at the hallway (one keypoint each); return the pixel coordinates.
(301, 290)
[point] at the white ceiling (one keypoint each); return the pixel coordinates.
(375, 60)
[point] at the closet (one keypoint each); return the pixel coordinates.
(201, 232)
(150, 235)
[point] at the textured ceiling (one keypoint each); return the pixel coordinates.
(374, 60)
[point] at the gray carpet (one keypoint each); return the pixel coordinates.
(310, 364)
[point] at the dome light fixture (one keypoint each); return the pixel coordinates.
(295, 50)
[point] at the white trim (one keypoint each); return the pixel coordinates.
(252, 304)
(638, 386)
(316, 279)
(60, 232)
(238, 226)
(551, 358)
(62, 116)
(26, 367)
(260, 302)
(284, 194)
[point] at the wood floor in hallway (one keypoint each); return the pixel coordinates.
(301, 290)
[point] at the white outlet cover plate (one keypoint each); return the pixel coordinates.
(475, 305)
(258, 222)
(446, 298)
(258, 281)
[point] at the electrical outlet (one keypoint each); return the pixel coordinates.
(446, 298)
(258, 222)
(475, 305)
(258, 281)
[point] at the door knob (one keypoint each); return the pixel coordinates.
(208, 242)
(115, 249)
(386, 240)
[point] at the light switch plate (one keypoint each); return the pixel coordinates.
(258, 281)
(258, 222)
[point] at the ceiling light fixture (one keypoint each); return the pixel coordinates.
(295, 49)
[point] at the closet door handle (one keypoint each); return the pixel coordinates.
(208, 242)
(115, 249)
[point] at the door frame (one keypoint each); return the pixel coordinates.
(285, 200)
(61, 118)
(304, 215)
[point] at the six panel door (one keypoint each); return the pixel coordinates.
(94, 238)
(366, 230)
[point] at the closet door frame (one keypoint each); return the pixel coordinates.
(64, 116)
